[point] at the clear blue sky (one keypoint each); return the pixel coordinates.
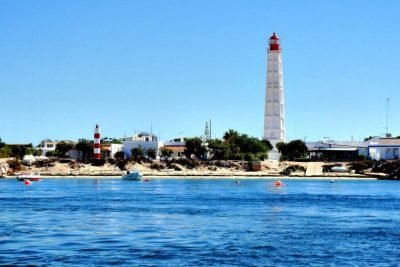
(127, 65)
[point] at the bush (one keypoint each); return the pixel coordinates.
(122, 164)
(176, 167)
(157, 166)
(53, 153)
(111, 161)
(361, 166)
(15, 165)
(99, 162)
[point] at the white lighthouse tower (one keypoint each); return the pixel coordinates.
(274, 116)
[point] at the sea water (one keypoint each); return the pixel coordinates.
(199, 222)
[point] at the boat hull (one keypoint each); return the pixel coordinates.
(23, 178)
(134, 176)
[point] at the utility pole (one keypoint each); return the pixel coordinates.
(387, 117)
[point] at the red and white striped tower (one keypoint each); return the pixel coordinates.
(96, 146)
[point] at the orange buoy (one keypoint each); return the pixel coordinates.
(278, 183)
(27, 182)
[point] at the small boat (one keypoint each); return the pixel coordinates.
(29, 176)
(133, 176)
(339, 169)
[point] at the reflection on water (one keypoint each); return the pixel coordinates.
(199, 223)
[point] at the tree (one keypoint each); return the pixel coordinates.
(2, 144)
(282, 147)
(268, 144)
(166, 152)
(119, 155)
(231, 135)
(52, 153)
(238, 146)
(86, 148)
(137, 154)
(368, 138)
(151, 153)
(37, 152)
(293, 150)
(194, 146)
(5, 151)
(63, 147)
(19, 151)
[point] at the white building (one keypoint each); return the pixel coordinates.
(274, 116)
(145, 141)
(336, 150)
(177, 145)
(383, 148)
(46, 146)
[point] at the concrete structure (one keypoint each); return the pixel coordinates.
(274, 116)
(383, 148)
(96, 145)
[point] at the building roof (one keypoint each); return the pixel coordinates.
(335, 144)
(384, 142)
(334, 149)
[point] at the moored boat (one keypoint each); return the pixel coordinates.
(29, 176)
(339, 169)
(133, 176)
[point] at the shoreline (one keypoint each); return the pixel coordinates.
(210, 176)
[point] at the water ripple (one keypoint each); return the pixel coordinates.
(89, 222)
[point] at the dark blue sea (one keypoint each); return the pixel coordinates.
(199, 222)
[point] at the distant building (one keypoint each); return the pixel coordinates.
(330, 150)
(109, 150)
(177, 145)
(46, 146)
(143, 140)
(383, 148)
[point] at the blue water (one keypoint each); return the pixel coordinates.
(175, 222)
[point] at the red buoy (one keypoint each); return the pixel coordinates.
(278, 183)
(27, 182)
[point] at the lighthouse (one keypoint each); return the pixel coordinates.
(274, 116)
(96, 145)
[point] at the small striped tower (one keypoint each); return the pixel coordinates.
(96, 146)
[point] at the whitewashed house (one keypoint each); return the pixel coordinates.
(46, 146)
(143, 140)
(383, 148)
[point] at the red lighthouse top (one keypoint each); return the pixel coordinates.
(274, 43)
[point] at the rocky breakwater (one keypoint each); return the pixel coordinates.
(4, 169)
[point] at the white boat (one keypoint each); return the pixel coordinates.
(29, 176)
(133, 176)
(339, 169)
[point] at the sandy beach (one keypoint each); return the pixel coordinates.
(269, 170)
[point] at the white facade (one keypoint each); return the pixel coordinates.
(384, 148)
(145, 145)
(114, 148)
(274, 116)
(47, 146)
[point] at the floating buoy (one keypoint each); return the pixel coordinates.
(278, 183)
(27, 182)
(237, 182)
(332, 181)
